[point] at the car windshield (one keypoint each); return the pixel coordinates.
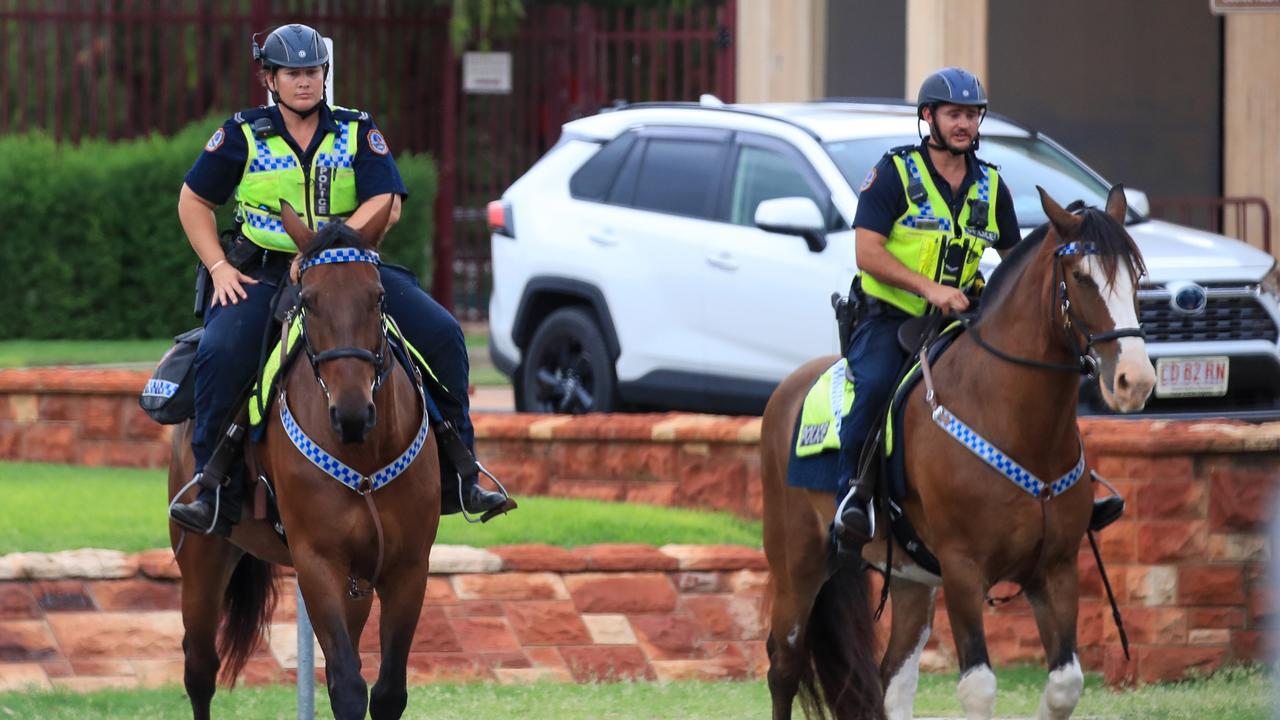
(1023, 162)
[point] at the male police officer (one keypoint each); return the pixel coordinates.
(925, 214)
(333, 164)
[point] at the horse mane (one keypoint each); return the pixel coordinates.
(336, 235)
(1109, 238)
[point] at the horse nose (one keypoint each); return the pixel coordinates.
(353, 427)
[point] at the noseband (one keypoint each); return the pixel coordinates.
(380, 367)
(1087, 363)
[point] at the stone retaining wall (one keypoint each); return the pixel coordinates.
(1187, 561)
(89, 619)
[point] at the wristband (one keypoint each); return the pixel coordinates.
(215, 265)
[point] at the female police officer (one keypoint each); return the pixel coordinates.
(342, 154)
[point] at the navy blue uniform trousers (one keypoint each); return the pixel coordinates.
(875, 358)
(227, 357)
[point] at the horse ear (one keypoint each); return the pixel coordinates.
(373, 229)
(1117, 204)
(294, 227)
(1063, 221)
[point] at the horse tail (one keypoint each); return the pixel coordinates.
(247, 605)
(842, 649)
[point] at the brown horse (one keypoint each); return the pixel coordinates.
(356, 403)
(1065, 298)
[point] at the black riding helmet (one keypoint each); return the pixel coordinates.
(293, 46)
(950, 86)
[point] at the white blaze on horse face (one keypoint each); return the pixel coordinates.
(1134, 378)
(900, 696)
(977, 691)
(1062, 692)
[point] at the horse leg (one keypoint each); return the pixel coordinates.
(788, 657)
(207, 563)
(1055, 602)
(401, 606)
(900, 669)
(324, 590)
(963, 587)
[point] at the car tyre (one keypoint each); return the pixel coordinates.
(567, 368)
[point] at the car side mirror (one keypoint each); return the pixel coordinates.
(1137, 201)
(794, 216)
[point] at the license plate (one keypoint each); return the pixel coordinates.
(1191, 377)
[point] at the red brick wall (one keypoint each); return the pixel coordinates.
(1187, 560)
(97, 619)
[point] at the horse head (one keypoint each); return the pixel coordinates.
(341, 308)
(1097, 268)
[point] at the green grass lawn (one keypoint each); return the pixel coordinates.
(63, 507)
(1229, 695)
(145, 353)
(35, 353)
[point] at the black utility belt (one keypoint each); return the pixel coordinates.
(248, 257)
(879, 308)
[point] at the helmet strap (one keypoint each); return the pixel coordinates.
(935, 138)
(304, 114)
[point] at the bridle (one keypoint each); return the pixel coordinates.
(1087, 362)
(381, 368)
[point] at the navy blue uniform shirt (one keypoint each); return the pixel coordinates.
(218, 170)
(882, 198)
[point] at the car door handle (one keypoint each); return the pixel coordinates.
(724, 261)
(605, 239)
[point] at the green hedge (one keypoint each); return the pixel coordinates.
(90, 240)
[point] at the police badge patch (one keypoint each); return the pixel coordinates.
(377, 143)
(215, 142)
(870, 178)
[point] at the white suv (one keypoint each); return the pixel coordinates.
(683, 257)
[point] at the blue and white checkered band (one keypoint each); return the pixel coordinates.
(926, 223)
(335, 468)
(341, 156)
(340, 255)
(159, 388)
(264, 222)
(984, 184)
(913, 169)
(266, 161)
(1076, 248)
(1004, 464)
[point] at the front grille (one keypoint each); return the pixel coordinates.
(1231, 314)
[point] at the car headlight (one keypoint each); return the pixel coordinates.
(1271, 281)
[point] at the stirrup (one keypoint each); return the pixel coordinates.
(838, 526)
(217, 504)
(507, 505)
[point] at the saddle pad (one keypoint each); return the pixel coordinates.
(825, 407)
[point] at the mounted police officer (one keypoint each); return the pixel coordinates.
(331, 164)
(925, 215)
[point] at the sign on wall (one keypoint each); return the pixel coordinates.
(486, 73)
(1220, 7)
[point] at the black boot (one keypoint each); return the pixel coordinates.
(478, 501)
(210, 513)
(854, 524)
(1106, 511)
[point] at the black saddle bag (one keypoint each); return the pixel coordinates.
(170, 395)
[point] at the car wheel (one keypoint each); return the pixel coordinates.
(567, 368)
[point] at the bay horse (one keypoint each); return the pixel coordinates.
(1064, 299)
(356, 405)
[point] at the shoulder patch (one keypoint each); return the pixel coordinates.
(216, 140)
(377, 143)
(248, 116)
(347, 115)
(868, 180)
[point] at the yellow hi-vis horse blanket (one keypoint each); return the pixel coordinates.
(828, 401)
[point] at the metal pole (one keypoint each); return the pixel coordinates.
(306, 663)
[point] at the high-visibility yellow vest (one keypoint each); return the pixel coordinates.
(926, 236)
(321, 193)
